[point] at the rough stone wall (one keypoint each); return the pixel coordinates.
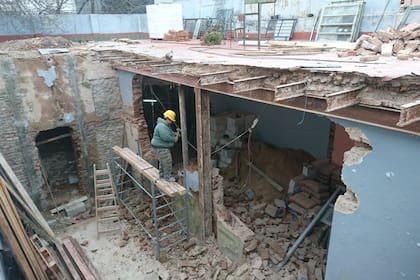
(39, 93)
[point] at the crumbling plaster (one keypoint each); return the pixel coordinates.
(82, 93)
(382, 237)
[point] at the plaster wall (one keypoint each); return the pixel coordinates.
(73, 24)
(280, 127)
(381, 239)
(39, 93)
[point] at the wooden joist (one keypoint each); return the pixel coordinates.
(248, 84)
(343, 99)
(167, 68)
(410, 113)
(291, 90)
(214, 78)
(149, 171)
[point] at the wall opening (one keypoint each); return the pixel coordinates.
(58, 162)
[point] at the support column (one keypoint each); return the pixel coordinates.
(183, 117)
(202, 106)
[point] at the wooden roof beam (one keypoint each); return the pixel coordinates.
(167, 68)
(214, 78)
(410, 113)
(291, 90)
(247, 84)
(343, 99)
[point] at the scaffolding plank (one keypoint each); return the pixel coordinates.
(247, 84)
(343, 99)
(77, 259)
(151, 173)
(167, 68)
(410, 113)
(286, 91)
(214, 78)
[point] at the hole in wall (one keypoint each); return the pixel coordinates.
(349, 202)
(58, 162)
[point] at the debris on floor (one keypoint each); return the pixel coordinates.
(403, 44)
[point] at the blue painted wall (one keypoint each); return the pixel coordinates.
(381, 240)
(278, 126)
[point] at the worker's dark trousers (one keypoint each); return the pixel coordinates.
(165, 162)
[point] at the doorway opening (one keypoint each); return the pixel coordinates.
(58, 163)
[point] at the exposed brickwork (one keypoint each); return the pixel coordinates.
(139, 119)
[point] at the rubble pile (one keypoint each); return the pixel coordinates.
(173, 35)
(36, 43)
(403, 43)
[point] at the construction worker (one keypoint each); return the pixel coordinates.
(163, 139)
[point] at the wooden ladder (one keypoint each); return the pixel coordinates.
(107, 212)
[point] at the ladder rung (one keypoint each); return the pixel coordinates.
(104, 190)
(103, 185)
(101, 172)
(112, 218)
(102, 181)
(105, 197)
(107, 208)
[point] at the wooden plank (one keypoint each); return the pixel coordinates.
(248, 84)
(343, 99)
(53, 139)
(150, 172)
(81, 266)
(17, 228)
(69, 267)
(25, 196)
(202, 107)
(85, 259)
(214, 78)
(287, 91)
(410, 113)
(183, 117)
(14, 246)
(167, 68)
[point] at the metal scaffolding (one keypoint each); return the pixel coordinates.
(166, 222)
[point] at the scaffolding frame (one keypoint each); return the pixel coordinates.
(168, 221)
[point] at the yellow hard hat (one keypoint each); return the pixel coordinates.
(169, 114)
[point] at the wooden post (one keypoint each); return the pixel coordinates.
(202, 107)
(183, 118)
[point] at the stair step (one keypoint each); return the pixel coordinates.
(101, 172)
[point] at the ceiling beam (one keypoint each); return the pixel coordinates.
(343, 99)
(167, 68)
(286, 91)
(214, 78)
(410, 113)
(248, 83)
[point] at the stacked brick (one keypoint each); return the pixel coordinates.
(313, 187)
(403, 43)
(173, 35)
(140, 121)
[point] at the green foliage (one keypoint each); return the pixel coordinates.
(214, 37)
